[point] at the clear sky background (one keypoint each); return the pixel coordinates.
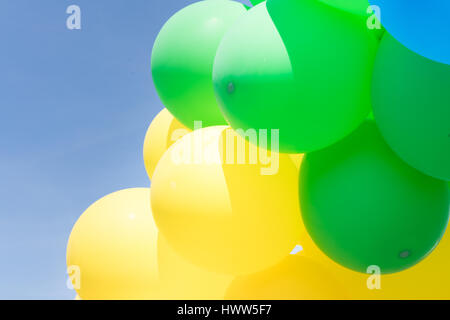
(75, 106)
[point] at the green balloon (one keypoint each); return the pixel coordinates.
(255, 2)
(183, 56)
(411, 104)
(364, 206)
(358, 7)
(363, 9)
(306, 72)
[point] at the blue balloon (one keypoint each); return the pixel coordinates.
(423, 26)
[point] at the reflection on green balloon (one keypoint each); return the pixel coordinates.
(411, 104)
(364, 206)
(307, 73)
(183, 56)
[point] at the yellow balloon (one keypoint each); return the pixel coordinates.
(297, 159)
(112, 250)
(161, 134)
(427, 280)
(224, 204)
(295, 278)
(77, 297)
(184, 281)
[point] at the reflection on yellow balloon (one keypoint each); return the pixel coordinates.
(112, 250)
(184, 281)
(161, 134)
(427, 280)
(295, 278)
(77, 297)
(224, 204)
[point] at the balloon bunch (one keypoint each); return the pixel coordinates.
(271, 178)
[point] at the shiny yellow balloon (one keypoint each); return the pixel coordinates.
(428, 279)
(184, 281)
(225, 204)
(161, 134)
(295, 278)
(112, 250)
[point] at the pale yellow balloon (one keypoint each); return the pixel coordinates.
(184, 281)
(161, 134)
(112, 250)
(295, 278)
(226, 211)
(429, 279)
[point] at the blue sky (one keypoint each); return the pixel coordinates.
(75, 105)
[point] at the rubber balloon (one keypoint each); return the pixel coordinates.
(224, 204)
(182, 60)
(112, 250)
(422, 26)
(411, 104)
(184, 281)
(295, 278)
(363, 206)
(358, 7)
(277, 75)
(255, 2)
(426, 280)
(161, 134)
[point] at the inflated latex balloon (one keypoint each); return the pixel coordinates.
(297, 159)
(255, 2)
(278, 75)
(426, 280)
(161, 134)
(364, 206)
(420, 25)
(184, 281)
(112, 249)
(358, 7)
(182, 60)
(295, 278)
(411, 104)
(224, 204)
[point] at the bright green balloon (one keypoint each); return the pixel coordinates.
(411, 104)
(306, 73)
(364, 206)
(358, 7)
(255, 2)
(183, 56)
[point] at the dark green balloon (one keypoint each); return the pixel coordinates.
(363, 206)
(411, 104)
(183, 56)
(301, 67)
